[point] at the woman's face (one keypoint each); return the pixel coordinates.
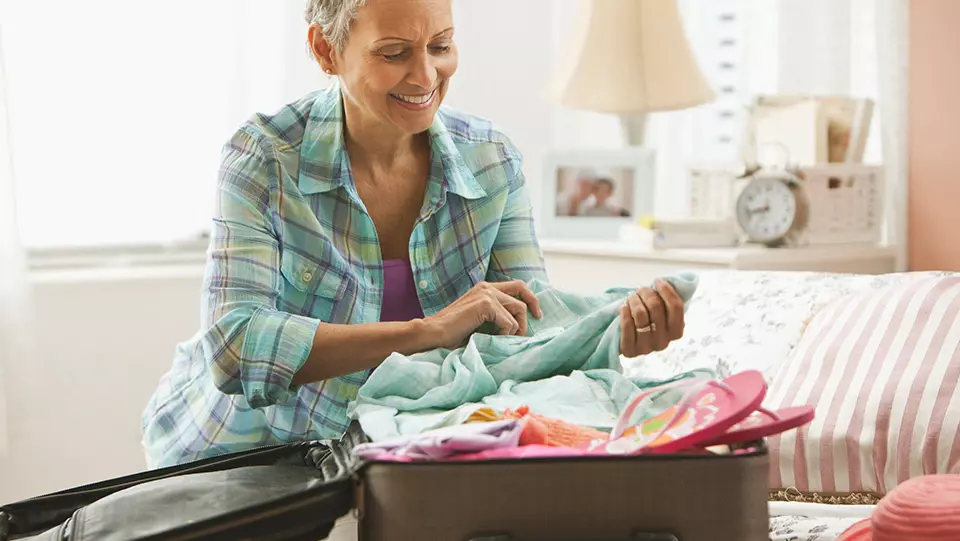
(396, 65)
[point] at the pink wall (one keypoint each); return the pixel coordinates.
(934, 136)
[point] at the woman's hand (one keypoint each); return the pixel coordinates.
(505, 304)
(650, 319)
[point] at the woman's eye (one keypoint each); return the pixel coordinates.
(392, 55)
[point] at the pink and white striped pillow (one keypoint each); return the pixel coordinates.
(882, 369)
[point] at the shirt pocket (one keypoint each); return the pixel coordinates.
(473, 273)
(318, 290)
(476, 273)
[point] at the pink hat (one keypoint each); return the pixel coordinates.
(922, 509)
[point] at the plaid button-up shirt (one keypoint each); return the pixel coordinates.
(292, 246)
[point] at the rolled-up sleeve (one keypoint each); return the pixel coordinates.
(250, 346)
(516, 253)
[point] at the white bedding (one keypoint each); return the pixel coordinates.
(751, 320)
(795, 521)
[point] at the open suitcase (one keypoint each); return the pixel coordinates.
(603, 491)
(297, 492)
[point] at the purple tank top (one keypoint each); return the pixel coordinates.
(400, 301)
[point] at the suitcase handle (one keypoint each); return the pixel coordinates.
(637, 536)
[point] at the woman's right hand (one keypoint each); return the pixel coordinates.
(505, 304)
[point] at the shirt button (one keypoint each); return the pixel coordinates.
(423, 284)
(307, 276)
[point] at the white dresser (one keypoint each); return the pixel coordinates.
(591, 267)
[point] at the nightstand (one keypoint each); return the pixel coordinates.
(591, 267)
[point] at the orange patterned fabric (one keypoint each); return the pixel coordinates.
(542, 430)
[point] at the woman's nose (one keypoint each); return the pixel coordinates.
(423, 71)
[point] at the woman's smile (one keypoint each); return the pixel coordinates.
(416, 102)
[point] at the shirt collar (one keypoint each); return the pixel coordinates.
(324, 165)
(459, 178)
(323, 159)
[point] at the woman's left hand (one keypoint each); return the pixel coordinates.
(650, 319)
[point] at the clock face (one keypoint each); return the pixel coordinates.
(766, 209)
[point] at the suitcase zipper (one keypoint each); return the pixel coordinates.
(760, 451)
(186, 469)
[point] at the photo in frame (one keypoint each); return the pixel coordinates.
(590, 194)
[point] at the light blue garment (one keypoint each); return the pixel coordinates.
(568, 367)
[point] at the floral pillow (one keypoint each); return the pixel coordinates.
(742, 320)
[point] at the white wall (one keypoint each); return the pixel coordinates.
(103, 341)
(501, 78)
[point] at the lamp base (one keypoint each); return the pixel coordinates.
(634, 126)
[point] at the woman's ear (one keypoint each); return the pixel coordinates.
(321, 49)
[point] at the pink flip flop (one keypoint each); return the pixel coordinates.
(707, 411)
(763, 423)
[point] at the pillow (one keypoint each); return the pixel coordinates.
(882, 369)
(750, 320)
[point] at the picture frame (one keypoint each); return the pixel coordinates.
(591, 194)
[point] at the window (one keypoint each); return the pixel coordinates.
(729, 38)
(119, 109)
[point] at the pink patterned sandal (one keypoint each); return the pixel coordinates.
(763, 423)
(707, 412)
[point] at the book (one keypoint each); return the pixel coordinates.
(848, 122)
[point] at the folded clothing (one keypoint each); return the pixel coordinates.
(446, 442)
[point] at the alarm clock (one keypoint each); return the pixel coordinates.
(773, 208)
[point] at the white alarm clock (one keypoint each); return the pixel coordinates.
(773, 209)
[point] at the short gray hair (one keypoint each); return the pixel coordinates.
(334, 17)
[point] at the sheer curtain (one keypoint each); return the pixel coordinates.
(13, 286)
(892, 40)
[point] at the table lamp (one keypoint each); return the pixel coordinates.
(630, 58)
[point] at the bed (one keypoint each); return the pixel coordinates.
(894, 338)
(791, 521)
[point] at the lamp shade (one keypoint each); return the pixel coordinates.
(629, 56)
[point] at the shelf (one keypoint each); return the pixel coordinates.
(747, 256)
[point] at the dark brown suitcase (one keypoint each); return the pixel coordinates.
(652, 498)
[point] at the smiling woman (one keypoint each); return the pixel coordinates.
(358, 221)
(396, 66)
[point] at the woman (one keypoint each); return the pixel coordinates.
(356, 222)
